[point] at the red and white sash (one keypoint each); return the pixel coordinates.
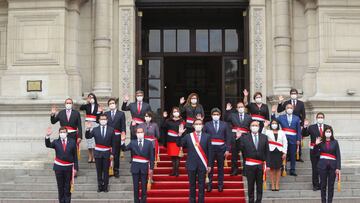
(60, 162)
(199, 150)
(289, 131)
(311, 145)
(217, 142)
(172, 133)
(150, 137)
(70, 129)
(275, 144)
(190, 120)
(89, 117)
(242, 130)
(327, 156)
(258, 117)
(138, 120)
(253, 162)
(139, 159)
(117, 132)
(102, 148)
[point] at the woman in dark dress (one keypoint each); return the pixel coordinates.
(329, 164)
(171, 128)
(192, 110)
(258, 110)
(278, 147)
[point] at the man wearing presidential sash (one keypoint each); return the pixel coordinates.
(198, 160)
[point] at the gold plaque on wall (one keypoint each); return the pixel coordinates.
(34, 85)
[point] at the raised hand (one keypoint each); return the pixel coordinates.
(49, 131)
(281, 98)
(228, 106)
(100, 108)
(181, 129)
(273, 108)
(88, 125)
(318, 140)
(54, 110)
(165, 114)
(306, 123)
(182, 100)
(126, 98)
(246, 93)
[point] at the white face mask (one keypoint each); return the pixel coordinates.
(198, 128)
(258, 100)
(63, 135)
(92, 101)
(139, 98)
(327, 134)
(68, 106)
(147, 119)
(112, 106)
(193, 101)
(216, 118)
(140, 136)
(293, 96)
(103, 122)
(320, 120)
(241, 110)
(274, 126)
(176, 114)
(289, 111)
(254, 129)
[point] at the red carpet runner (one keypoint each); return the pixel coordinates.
(170, 189)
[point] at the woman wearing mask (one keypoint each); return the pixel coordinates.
(329, 165)
(192, 109)
(92, 111)
(278, 148)
(171, 127)
(258, 110)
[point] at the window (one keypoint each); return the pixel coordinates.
(215, 41)
(154, 40)
(231, 40)
(202, 41)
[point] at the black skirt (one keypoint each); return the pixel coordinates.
(275, 161)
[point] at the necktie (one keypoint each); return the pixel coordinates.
(256, 141)
(289, 120)
(139, 107)
(320, 130)
(64, 145)
(241, 117)
(68, 115)
(140, 145)
(103, 131)
(216, 126)
(112, 115)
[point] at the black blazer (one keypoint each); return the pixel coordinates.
(87, 109)
(313, 131)
(234, 119)
(193, 161)
(247, 147)
(333, 150)
(299, 109)
(132, 107)
(147, 152)
(74, 122)
(119, 122)
(224, 133)
(69, 155)
(107, 141)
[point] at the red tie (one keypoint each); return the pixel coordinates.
(139, 107)
(321, 131)
(64, 145)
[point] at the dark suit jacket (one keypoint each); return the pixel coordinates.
(248, 149)
(313, 131)
(69, 155)
(87, 109)
(119, 120)
(334, 150)
(295, 125)
(147, 152)
(193, 161)
(224, 133)
(299, 109)
(74, 122)
(234, 119)
(132, 107)
(108, 141)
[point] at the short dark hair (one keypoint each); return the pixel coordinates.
(150, 114)
(63, 128)
(215, 110)
(103, 115)
(139, 128)
(198, 120)
(252, 121)
(69, 99)
(275, 121)
(320, 113)
(139, 92)
(293, 90)
(257, 94)
(113, 99)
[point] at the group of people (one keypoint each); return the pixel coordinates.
(264, 139)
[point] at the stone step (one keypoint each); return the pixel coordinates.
(308, 193)
(78, 180)
(127, 195)
(310, 200)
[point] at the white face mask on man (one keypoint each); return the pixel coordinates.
(139, 98)
(320, 120)
(140, 136)
(198, 128)
(293, 96)
(63, 135)
(103, 122)
(241, 109)
(254, 129)
(289, 111)
(216, 117)
(68, 106)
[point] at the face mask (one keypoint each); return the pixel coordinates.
(289, 111)
(63, 135)
(293, 96)
(147, 119)
(241, 110)
(92, 101)
(176, 114)
(68, 106)
(274, 126)
(112, 106)
(103, 122)
(193, 101)
(139, 98)
(198, 128)
(216, 118)
(320, 120)
(327, 134)
(258, 100)
(254, 129)
(140, 136)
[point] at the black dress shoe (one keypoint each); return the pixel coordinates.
(300, 160)
(234, 173)
(314, 188)
(209, 188)
(221, 188)
(318, 187)
(99, 189)
(106, 190)
(293, 174)
(116, 175)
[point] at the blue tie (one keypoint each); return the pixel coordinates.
(216, 126)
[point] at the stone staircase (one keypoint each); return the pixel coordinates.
(34, 181)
